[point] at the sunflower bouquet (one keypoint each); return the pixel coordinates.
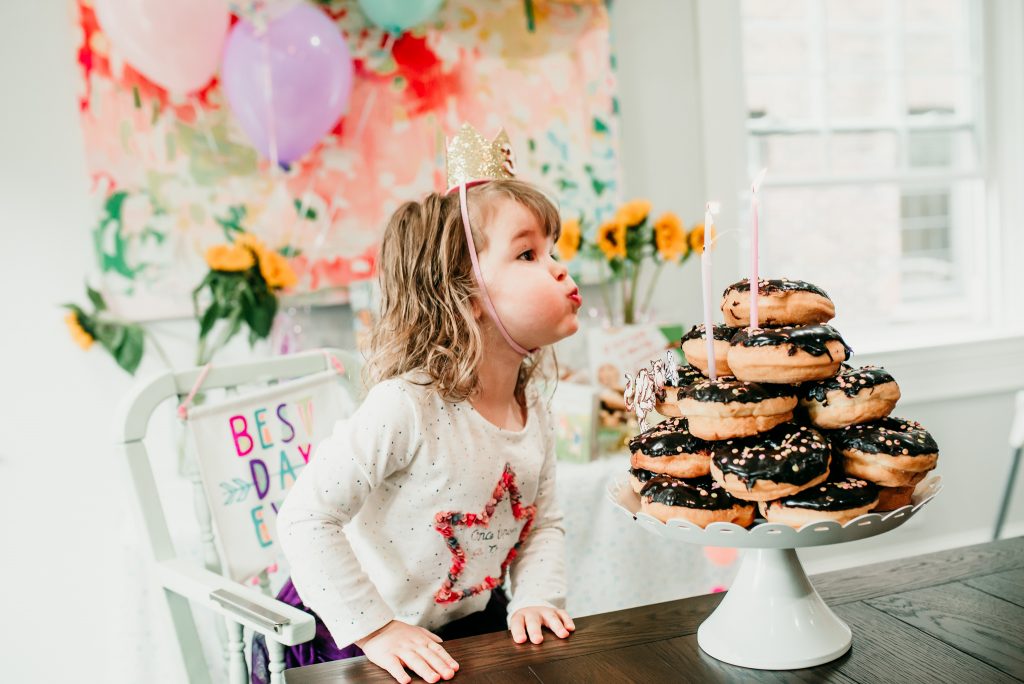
(243, 282)
(625, 243)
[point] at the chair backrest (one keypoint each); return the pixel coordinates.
(250, 448)
(305, 382)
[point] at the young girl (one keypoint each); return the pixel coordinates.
(408, 518)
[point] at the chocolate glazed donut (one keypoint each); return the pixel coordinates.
(727, 408)
(855, 395)
(639, 477)
(669, 449)
(841, 500)
(788, 354)
(778, 463)
(694, 346)
(701, 501)
(779, 302)
(890, 452)
(667, 396)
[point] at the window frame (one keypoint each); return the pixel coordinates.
(1001, 23)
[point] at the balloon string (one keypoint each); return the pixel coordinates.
(371, 99)
(201, 125)
(268, 84)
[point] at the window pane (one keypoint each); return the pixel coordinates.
(775, 10)
(856, 52)
(865, 152)
(846, 13)
(776, 52)
(933, 94)
(941, 149)
(806, 232)
(929, 53)
(789, 154)
(934, 13)
(780, 100)
(857, 98)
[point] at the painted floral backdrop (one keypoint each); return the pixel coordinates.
(172, 176)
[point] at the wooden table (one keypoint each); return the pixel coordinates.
(953, 616)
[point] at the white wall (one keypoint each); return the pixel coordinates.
(59, 501)
(64, 518)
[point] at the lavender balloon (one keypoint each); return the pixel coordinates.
(288, 85)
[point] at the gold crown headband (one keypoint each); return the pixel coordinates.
(473, 160)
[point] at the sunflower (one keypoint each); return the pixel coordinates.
(276, 271)
(696, 238)
(251, 243)
(611, 239)
(569, 240)
(79, 334)
(229, 258)
(670, 237)
(634, 213)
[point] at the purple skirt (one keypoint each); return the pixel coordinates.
(322, 649)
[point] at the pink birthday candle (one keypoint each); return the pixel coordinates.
(754, 278)
(705, 273)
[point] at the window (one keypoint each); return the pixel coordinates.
(868, 116)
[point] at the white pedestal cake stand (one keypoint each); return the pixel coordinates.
(772, 618)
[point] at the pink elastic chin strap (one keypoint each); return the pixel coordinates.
(488, 306)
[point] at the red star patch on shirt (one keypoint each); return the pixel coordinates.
(446, 522)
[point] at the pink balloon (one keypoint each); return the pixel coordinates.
(307, 63)
(174, 43)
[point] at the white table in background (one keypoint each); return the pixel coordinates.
(611, 562)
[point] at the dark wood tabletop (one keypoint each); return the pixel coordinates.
(952, 616)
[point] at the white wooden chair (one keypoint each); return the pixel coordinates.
(182, 580)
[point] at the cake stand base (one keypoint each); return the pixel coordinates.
(772, 618)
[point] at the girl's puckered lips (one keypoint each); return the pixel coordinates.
(575, 297)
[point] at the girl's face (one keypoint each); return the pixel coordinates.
(533, 294)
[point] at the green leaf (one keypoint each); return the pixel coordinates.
(206, 281)
(96, 298)
(129, 353)
(232, 223)
(114, 202)
(236, 325)
(74, 307)
(207, 320)
(85, 320)
(310, 213)
(110, 335)
(261, 317)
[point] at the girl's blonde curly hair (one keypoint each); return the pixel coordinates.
(427, 323)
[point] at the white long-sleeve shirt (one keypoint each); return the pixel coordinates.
(364, 527)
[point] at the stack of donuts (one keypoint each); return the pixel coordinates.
(788, 431)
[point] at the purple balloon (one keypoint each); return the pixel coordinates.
(310, 74)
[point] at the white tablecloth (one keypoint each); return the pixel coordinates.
(612, 562)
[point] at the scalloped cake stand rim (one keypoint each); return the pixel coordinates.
(773, 535)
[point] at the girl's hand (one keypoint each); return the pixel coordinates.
(532, 619)
(398, 645)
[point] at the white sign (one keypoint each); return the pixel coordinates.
(250, 451)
